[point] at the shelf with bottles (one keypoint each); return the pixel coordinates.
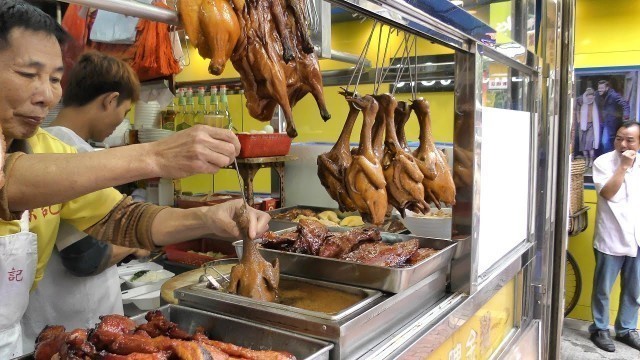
(189, 109)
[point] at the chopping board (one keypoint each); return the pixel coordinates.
(185, 279)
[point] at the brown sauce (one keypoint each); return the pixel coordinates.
(315, 297)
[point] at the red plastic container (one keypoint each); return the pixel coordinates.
(180, 252)
(263, 145)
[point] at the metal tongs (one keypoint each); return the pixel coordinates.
(235, 165)
(210, 280)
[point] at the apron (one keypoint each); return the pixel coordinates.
(83, 300)
(18, 260)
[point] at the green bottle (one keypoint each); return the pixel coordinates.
(200, 110)
(187, 119)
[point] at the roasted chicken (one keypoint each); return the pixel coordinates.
(438, 182)
(253, 277)
(403, 177)
(213, 27)
(364, 177)
(333, 164)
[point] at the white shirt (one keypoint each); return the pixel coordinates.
(70, 138)
(617, 220)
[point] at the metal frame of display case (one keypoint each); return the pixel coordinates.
(538, 289)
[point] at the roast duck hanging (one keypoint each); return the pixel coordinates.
(267, 42)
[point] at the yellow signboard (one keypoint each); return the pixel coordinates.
(481, 335)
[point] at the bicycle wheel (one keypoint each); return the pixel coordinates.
(572, 284)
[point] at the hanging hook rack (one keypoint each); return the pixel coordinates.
(361, 61)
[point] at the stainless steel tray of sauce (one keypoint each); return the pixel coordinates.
(295, 294)
(240, 332)
(382, 278)
(281, 224)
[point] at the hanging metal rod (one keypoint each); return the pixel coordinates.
(131, 8)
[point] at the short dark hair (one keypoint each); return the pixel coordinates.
(95, 74)
(603, 82)
(627, 124)
(20, 14)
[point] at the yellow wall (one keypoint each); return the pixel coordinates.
(347, 37)
(607, 35)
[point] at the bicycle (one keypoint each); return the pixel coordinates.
(572, 284)
(572, 275)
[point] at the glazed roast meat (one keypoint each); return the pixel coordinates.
(402, 174)
(253, 277)
(269, 30)
(362, 245)
(284, 241)
(438, 182)
(213, 28)
(337, 244)
(117, 338)
(381, 254)
(420, 255)
(267, 42)
(333, 164)
(365, 180)
(311, 235)
(401, 116)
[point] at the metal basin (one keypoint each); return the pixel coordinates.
(366, 296)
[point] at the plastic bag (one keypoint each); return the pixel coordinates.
(114, 28)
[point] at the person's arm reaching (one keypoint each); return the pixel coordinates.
(38, 180)
(144, 225)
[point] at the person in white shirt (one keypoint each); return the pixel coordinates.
(616, 176)
(81, 273)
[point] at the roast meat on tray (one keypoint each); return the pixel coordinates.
(363, 245)
(117, 337)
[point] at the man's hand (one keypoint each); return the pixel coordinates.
(627, 158)
(197, 150)
(221, 222)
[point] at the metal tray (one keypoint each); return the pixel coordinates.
(221, 296)
(244, 333)
(239, 332)
(281, 224)
(393, 280)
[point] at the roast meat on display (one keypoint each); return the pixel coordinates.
(268, 44)
(382, 172)
(117, 337)
(363, 245)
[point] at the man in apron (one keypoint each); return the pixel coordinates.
(30, 72)
(81, 273)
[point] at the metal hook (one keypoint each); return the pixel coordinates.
(361, 59)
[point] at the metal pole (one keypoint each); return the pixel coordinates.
(132, 8)
(562, 184)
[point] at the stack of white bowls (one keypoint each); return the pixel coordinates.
(146, 135)
(147, 115)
